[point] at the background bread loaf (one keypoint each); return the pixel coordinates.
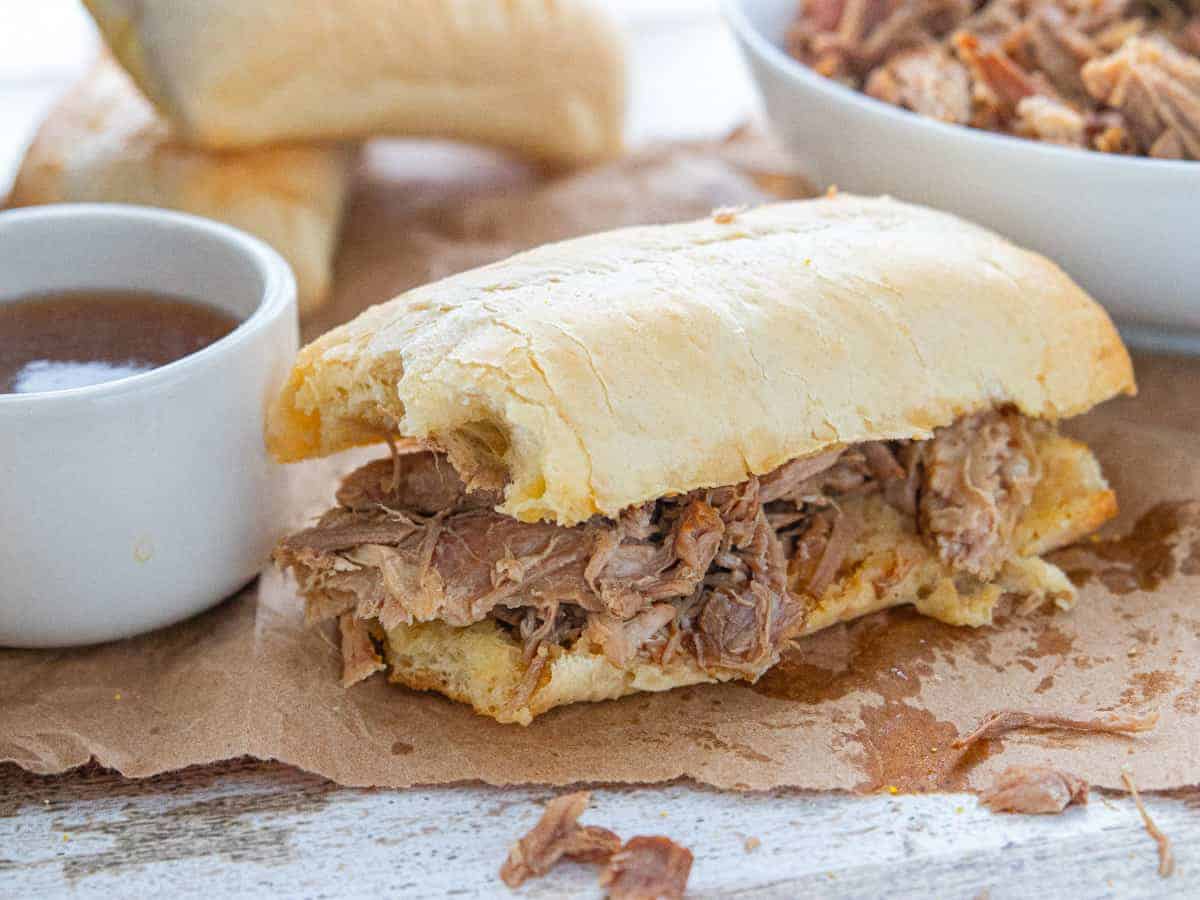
(545, 79)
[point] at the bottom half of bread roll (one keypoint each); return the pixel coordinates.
(432, 584)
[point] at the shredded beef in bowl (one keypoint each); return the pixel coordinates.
(1119, 76)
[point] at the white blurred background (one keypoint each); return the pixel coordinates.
(687, 78)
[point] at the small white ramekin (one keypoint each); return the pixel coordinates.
(130, 505)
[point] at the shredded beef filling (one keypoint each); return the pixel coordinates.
(723, 574)
(1119, 76)
(979, 478)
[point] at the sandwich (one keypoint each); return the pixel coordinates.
(657, 456)
(545, 80)
(104, 143)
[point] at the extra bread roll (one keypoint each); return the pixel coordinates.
(104, 143)
(589, 376)
(545, 79)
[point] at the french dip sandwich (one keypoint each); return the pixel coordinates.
(654, 457)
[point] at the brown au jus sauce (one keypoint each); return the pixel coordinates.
(52, 342)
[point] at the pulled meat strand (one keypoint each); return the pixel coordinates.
(1050, 120)
(787, 479)
(1006, 720)
(980, 476)
(1000, 83)
(648, 868)
(1166, 858)
(1040, 790)
(418, 482)
(556, 835)
(360, 659)
(882, 461)
(724, 574)
(531, 678)
(902, 492)
(926, 80)
(621, 640)
(820, 551)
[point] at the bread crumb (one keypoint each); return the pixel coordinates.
(831, 191)
(724, 215)
(1166, 859)
(752, 844)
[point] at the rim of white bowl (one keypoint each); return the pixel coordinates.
(775, 56)
(279, 289)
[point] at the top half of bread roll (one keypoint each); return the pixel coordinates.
(601, 372)
(545, 79)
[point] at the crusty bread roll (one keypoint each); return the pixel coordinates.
(595, 374)
(483, 665)
(104, 143)
(545, 79)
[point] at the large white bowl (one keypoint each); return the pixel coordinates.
(1128, 229)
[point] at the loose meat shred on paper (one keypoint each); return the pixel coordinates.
(648, 868)
(1006, 720)
(1166, 859)
(558, 834)
(1034, 789)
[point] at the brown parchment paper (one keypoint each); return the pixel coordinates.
(867, 706)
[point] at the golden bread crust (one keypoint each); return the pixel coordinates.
(614, 369)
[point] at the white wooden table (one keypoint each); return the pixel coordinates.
(259, 828)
